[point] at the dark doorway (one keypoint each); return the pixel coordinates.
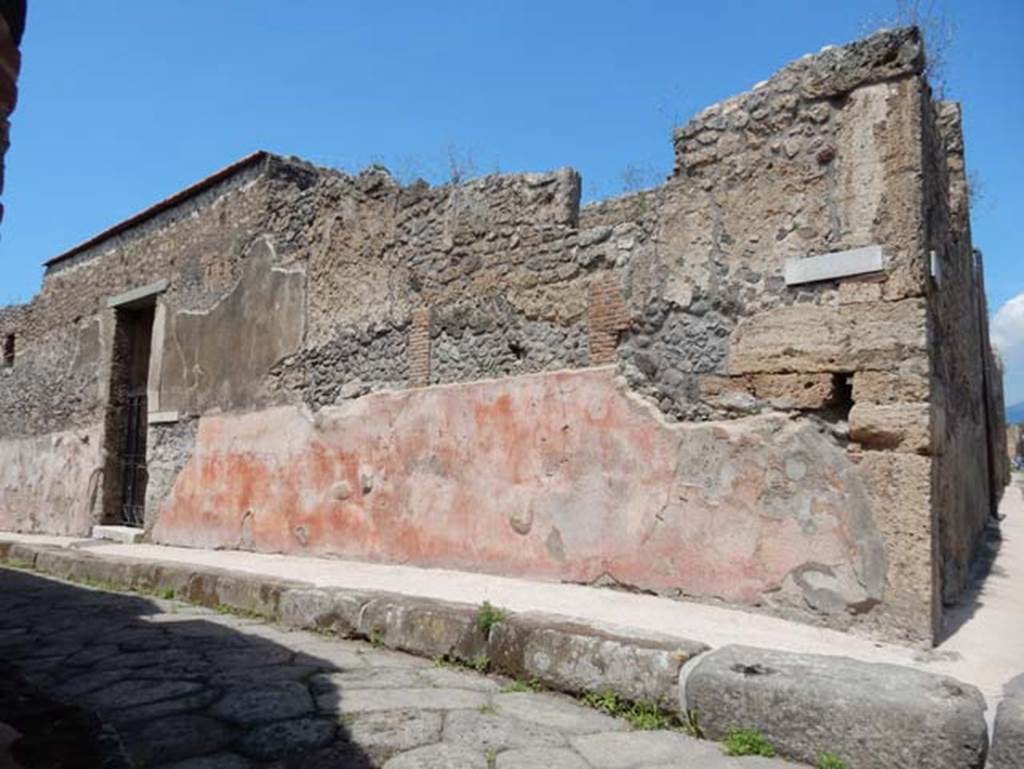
(126, 424)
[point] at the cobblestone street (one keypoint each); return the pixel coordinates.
(189, 688)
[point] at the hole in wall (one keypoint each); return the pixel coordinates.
(839, 404)
(9, 342)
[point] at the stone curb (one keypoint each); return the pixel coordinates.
(1008, 735)
(870, 715)
(561, 655)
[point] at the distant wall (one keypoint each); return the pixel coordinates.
(488, 376)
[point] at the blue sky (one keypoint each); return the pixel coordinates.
(126, 101)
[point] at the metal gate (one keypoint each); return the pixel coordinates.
(133, 462)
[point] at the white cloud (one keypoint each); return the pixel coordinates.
(1007, 332)
(1008, 325)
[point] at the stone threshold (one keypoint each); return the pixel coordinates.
(873, 715)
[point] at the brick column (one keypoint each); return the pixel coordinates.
(419, 348)
(608, 317)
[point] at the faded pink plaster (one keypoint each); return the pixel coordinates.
(50, 483)
(558, 476)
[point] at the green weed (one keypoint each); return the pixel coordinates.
(488, 616)
(747, 742)
(830, 761)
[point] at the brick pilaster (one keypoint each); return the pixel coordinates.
(419, 348)
(608, 317)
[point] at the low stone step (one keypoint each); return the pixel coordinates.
(128, 535)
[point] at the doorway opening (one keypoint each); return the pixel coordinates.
(125, 476)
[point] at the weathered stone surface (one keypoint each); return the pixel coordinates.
(795, 391)
(896, 426)
(550, 758)
(139, 691)
(287, 738)
(369, 700)
(890, 387)
(482, 729)
(578, 659)
(1008, 733)
(878, 715)
(440, 756)
(624, 750)
(315, 609)
(262, 703)
(177, 737)
(421, 626)
(216, 761)
(387, 732)
(551, 711)
(817, 338)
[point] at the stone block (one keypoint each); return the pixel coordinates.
(896, 426)
(105, 572)
(576, 658)
(1008, 734)
(127, 535)
(818, 338)
(22, 555)
(889, 387)
(422, 626)
(336, 611)
(251, 592)
(58, 563)
(872, 716)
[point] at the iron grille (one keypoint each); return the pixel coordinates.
(133, 462)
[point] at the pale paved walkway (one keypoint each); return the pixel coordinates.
(186, 688)
(986, 649)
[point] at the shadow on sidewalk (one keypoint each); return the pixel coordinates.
(983, 568)
(109, 680)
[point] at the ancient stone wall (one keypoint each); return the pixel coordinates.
(641, 392)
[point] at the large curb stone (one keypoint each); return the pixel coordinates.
(577, 658)
(1008, 736)
(872, 716)
(335, 611)
(423, 626)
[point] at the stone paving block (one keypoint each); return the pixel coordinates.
(287, 738)
(555, 711)
(260, 703)
(446, 677)
(1008, 734)
(624, 750)
(368, 678)
(382, 734)
(872, 716)
(176, 737)
(536, 758)
(139, 691)
(577, 658)
(483, 729)
(368, 700)
(422, 626)
(216, 761)
(439, 757)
